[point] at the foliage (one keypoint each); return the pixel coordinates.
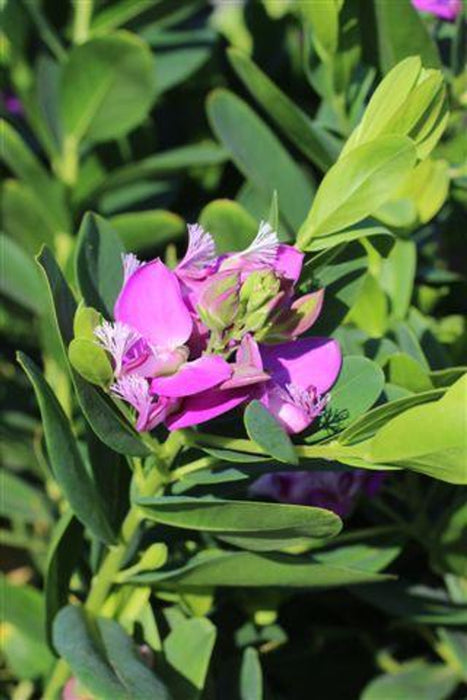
(144, 564)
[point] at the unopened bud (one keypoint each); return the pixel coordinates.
(218, 302)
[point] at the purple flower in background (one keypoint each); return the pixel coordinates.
(444, 9)
(12, 104)
(336, 491)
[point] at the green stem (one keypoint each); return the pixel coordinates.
(82, 20)
(197, 465)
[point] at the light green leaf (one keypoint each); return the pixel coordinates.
(90, 361)
(357, 185)
(266, 432)
(430, 438)
(259, 155)
(370, 312)
(188, 650)
(231, 226)
(23, 502)
(144, 230)
(405, 371)
(107, 87)
(23, 631)
(398, 275)
(251, 677)
(414, 680)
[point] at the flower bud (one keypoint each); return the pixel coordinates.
(218, 301)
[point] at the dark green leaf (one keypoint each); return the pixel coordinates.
(256, 570)
(416, 680)
(255, 525)
(64, 552)
(310, 138)
(103, 658)
(99, 269)
(21, 501)
(148, 229)
(67, 464)
(266, 432)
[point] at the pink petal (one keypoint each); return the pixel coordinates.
(151, 302)
(193, 377)
(289, 261)
(305, 362)
(293, 418)
(205, 406)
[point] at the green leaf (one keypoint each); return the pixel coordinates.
(64, 552)
(413, 680)
(255, 525)
(20, 280)
(188, 650)
(357, 185)
(100, 412)
(99, 268)
(23, 631)
(179, 64)
(429, 438)
(359, 385)
(398, 275)
(404, 371)
(367, 425)
(20, 159)
(310, 138)
(370, 311)
(67, 464)
(256, 570)
(251, 677)
(148, 229)
(413, 604)
(118, 13)
(448, 546)
(259, 155)
(401, 32)
(342, 278)
(266, 432)
(175, 161)
(357, 233)
(23, 502)
(103, 658)
(107, 87)
(231, 226)
(90, 361)
(25, 217)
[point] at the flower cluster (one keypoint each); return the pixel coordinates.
(217, 331)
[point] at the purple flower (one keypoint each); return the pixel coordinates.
(188, 345)
(12, 103)
(444, 9)
(336, 491)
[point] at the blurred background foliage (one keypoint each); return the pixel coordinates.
(154, 113)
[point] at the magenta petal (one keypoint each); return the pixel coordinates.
(205, 406)
(151, 302)
(193, 377)
(305, 362)
(289, 262)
